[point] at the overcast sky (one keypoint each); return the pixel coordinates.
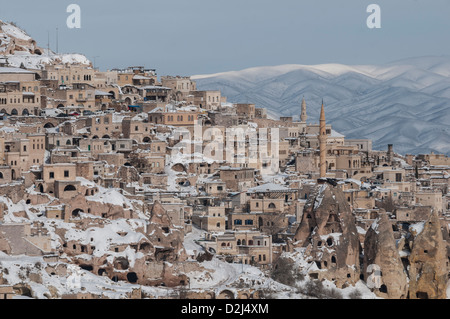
(180, 37)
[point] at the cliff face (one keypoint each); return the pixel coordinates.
(13, 40)
(428, 262)
(383, 269)
(328, 231)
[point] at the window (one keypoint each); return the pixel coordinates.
(248, 222)
(238, 222)
(51, 175)
(66, 173)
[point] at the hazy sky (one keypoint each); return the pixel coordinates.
(180, 37)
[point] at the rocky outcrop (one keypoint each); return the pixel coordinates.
(165, 236)
(383, 269)
(13, 39)
(328, 231)
(428, 262)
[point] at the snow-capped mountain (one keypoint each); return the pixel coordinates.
(405, 103)
(21, 50)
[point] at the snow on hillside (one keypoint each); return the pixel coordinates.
(405, 103)
(16, 32)
(19, 48)
(34, 61)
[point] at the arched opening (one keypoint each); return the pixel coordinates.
(23, 291)
(383, 289)
(49, 125)
(102, 272)
(330, 241)
(226, 294)
(87, 267)
(333, 259)
(272, 205)
(70, 188)
(421, 295)
(14, 112)
(145, 247)
(113, 95)
(1, 175)
(106, 136)
(132, 277)
(25, 112)
(60, 106)
(121, 263)
(76, 212)
(13, 174)
(146, 139)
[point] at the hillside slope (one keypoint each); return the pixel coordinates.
(21, 50)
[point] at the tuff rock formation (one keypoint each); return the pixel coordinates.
(383, 269)
(428, 262)
(328, 231)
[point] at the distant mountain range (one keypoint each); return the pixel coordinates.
(405, 103)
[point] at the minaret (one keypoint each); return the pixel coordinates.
(323, 143)
(303, 116)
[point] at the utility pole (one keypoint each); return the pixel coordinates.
(57, 49)
(95, 58)
(48, 43)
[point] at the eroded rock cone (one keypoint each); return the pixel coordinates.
(383, 269)
(428, 268)
(328, 231)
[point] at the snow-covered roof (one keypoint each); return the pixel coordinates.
(141, 77)
(14, 70)
(154, 87)
(98, 92)
(269, 187)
